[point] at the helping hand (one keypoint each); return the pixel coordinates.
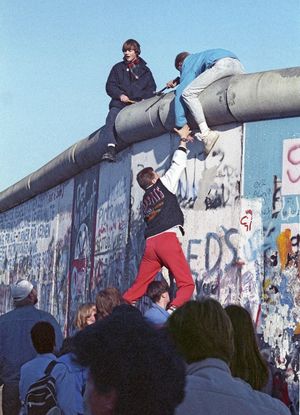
(184, 133)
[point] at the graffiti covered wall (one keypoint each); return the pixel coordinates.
(35, 244)
(272, 176)
(241, 208)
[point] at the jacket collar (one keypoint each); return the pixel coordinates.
(193, 368)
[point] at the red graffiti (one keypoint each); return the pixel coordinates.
(247, 220)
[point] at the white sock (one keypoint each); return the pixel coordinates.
(111, 145)
(203, 127)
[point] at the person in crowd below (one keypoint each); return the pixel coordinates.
(43, 340)
(197, 72)
(164, 221)
(158, 292)
(107, 300)
(133, 368)
(203, 335)
(86, 315)
(15, 343)
(77, 373)
(129, 81)
(247, 362)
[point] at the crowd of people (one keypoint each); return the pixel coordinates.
(199, 359)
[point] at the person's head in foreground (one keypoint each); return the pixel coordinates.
(203, 334)
(133, 368)
(202, 330)
(247, 362)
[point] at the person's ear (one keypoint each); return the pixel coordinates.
(32, 296)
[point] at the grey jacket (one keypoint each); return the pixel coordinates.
(211, 390)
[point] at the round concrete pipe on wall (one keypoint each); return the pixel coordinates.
(214, 100)
(239, 98)
(265, 95)
(140, 121)
(15, 195)
(76, 158)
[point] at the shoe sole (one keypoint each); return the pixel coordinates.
(212, 146)
(109, 159)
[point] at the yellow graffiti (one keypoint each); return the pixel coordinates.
(284, 246)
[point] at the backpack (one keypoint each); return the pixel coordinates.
(41, 395)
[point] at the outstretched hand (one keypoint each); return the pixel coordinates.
(184, 133)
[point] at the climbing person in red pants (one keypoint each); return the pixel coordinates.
(164, 221)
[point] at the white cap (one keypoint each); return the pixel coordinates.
(21, 290)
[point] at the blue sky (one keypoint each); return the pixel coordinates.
(56, 56)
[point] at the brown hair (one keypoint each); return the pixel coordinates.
(180, 58)
(131, 44)
(107, 300)
(43, 337)
(156, 289)
(247, 362)
(145, 177)
(202, 329)
(84, 311)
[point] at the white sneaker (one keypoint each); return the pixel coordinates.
(209, 139)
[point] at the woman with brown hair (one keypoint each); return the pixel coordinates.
(107, 300)
(247, 362)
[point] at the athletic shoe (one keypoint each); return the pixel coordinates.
(110, 154)
(209, 139)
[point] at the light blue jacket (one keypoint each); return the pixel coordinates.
(64, 380)
(210, 390)
(156, 315)
(193, 66)
(79, 375)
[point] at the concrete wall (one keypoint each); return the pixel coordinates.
(87, 233)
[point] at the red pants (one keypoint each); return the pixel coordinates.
(163, 250)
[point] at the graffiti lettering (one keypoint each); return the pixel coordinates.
(191, 256)
(276, 200)
(85, 208)
(247, 220)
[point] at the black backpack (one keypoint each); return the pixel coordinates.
(41, 395)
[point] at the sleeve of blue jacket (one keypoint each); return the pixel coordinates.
(188, 74)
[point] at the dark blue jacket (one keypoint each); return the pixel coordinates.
(120, 81)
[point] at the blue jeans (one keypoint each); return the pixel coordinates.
(109, 130)
(222, 68)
